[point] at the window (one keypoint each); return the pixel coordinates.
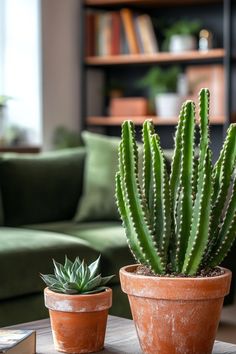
(20, 64)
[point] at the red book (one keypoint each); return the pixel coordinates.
(116, 34)
(90, 34)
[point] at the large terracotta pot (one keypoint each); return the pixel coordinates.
(78, 321)
(175, 315)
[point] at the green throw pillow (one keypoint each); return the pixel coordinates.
(98, 198)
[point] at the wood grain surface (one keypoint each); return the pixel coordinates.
(121, 338)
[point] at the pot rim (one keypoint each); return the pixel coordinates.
(77, 296)
(78, 303)
(174, 278)
(176, 288)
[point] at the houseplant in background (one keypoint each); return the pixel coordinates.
(179, 228)
(3, 102)
(64, 138)
(78, 304)
(162, 86)
(181, 36)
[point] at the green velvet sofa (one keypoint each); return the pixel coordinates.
(39, 198)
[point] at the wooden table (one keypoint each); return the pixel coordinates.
(121, 338)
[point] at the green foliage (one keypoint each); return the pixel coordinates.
(64, 138)
(183, 27)
(3, 100)
(76, 277)
(184, 222)
(158, 80)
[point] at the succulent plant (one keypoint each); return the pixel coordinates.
(183, 222)
(76, 277)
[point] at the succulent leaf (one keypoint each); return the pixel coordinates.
(176, 161)
(162, 211)
(76, 277)
(225, 238)
(127, 222)
(221, 183)
(186, 178)
(148, 131)
(135, 202)
(198, 238)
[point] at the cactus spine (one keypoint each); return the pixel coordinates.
(186, 221)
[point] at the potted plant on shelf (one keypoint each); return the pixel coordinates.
(181, 36)
(162, 85)
(78, 304)
(179, 228)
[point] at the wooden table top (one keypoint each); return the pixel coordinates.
(121, 338)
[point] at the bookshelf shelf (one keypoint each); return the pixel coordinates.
(116, 121)
(154, 3)
(162, 57)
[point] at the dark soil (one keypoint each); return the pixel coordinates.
(204, 273)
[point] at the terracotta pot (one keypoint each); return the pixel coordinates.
(78, 321)
(175, 315)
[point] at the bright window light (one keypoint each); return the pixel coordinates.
(20, 64)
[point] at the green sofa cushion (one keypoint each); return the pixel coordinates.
(26, 253)
(107, 238)
(98, 199)
(41, 188)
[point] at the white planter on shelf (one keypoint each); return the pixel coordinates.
(168, 105)
(182, 43)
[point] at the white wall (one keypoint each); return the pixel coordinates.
(60, 63)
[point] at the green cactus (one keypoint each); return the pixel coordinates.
(186, 221)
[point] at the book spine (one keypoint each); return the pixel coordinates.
(127, 19)
(139, 35)
(116, 34)
(104, 34)
(147, 34)
(90, 34)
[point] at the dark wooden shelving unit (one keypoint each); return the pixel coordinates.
(116, 121)
(162, 57)
(146, 3)
(222, 55)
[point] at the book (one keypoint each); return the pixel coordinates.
(90, 32)
(116, 33)
(104, 24)
(145, 33)
(127, 18)
(17, 341)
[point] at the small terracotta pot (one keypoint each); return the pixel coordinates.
(175, 315)
(78, 321)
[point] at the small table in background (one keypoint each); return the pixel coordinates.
(121, 338)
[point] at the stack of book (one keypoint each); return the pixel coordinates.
(119, 32)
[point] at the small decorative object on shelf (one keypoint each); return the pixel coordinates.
(205, 40)
(162, 85)
(181, 36)
(179, 226)
(78, 303)
(129, 106)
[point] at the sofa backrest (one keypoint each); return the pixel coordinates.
(40, 188)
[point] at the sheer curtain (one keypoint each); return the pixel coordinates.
(20, 64)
